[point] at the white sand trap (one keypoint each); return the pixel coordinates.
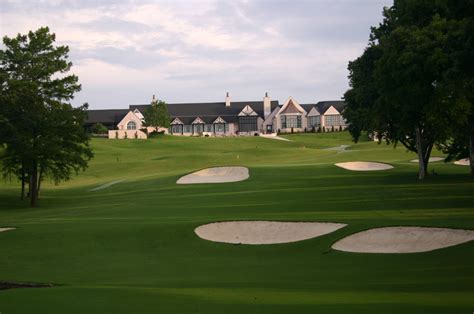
(216, 175)
(104, 186)
(264, 232)
(462, 162)
(6, 229)
(364, 166)
(431, 159)
(403, 240)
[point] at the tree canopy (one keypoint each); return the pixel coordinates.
(403, 85)
(42, 134)
(157, 115)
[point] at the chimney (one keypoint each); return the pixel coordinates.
(267, 108)
(153, 99)
(227, 100)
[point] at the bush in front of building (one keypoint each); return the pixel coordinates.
(99, 129)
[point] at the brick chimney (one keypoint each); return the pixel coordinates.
(267, 108)
(227, 100)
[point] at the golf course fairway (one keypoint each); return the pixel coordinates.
(131, 247)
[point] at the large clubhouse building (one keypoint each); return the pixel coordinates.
(226, 118)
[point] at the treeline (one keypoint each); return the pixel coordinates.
(414, 83)
(41, 133)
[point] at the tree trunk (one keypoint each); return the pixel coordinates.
(427, 154)
(34, 185)
(421, 156)
(23, 178)
(40, 179)
(471, 146)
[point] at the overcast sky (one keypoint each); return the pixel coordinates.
(196, 51)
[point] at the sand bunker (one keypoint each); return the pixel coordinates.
(431, 159)
(462, 162)
(216, 175)
(6, 229)
(364, 166)
(104, 186)
(264, 232)
(403, 240)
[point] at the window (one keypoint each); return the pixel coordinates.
(333, 119)
(131, 125)
(187, 128)
(177, 129)
(220, 127)
(314, 121)
(198, 128)
(290, 121)
(247, 124)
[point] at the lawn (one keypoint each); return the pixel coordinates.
(130, 248)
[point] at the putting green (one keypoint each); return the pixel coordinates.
(131, 248)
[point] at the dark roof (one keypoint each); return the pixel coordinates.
(322, 106)
(210, 111)
(307, 107)
(105, 116)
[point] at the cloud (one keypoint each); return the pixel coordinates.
(195, 51)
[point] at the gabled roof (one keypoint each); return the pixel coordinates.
(176, 121)
(247, 111)
(130, 116)
(313, 112)
(323, 106)
(198, 121)
(307, 107)
(219, 120)
(291, 106)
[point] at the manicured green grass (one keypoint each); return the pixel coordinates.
(131, 248)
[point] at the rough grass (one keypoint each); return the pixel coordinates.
(130, 248)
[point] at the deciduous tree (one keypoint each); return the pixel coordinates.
(157, 115)
(398, 86)
(42, 134)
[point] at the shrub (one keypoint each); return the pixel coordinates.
(99, 128)
(156, 133)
